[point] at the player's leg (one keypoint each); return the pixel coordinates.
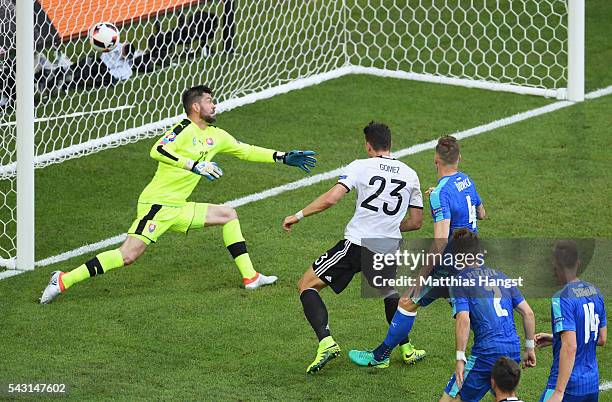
(130, 250)
(315, 311)
(334, 268)
(235, 243)
(151, 222)
(410, 355)
(401, 324)
(399, 329)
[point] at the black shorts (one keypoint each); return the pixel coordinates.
(339, 264)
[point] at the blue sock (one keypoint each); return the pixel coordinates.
(398, 330)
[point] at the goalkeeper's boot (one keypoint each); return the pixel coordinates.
(410, 355)
(366, 358)
(53, 289)
(258, 281)
(328, 350)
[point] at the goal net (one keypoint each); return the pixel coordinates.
(250, 50)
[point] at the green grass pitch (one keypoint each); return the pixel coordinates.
(176, 325)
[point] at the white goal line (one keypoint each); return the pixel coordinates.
(10, 263)
(308, 181)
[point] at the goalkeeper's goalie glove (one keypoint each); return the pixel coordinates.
(301, 159)
(210, 170)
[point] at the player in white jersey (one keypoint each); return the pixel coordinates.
(387, 189)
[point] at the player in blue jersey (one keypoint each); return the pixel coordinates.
(483, 300)
(579, 326)
(454, 204)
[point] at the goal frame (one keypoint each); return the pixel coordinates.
(27, 161)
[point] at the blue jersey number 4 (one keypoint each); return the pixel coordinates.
(591, 322)
(471, 211)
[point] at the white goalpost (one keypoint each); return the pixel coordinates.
(66, 102)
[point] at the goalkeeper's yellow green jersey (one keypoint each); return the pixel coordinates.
(172, 183)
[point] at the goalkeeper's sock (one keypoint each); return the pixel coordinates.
(398, 330)
(315, 312)
(232, 237)
(391, 303)
(98, 265)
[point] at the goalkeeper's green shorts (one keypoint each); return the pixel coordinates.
(153, 220)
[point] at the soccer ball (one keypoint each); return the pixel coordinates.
(104, 36)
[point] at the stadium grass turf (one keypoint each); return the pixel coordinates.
(175, 325)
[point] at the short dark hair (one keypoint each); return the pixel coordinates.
(566, 254)
(465, 242)
(192, 95)
(506, 373)
(448, 149)
(378, 135)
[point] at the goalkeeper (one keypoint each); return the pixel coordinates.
(185, 154)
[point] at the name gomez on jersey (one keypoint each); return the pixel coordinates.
(386, 188)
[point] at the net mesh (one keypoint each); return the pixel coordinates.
(85, 104)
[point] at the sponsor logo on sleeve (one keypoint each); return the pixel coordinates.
(342, 177)
(210, 141)
(152, 227)
(170, 137)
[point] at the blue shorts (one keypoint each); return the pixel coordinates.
(476, 378)
(570, 398)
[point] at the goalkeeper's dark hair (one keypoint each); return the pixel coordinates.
(506, 373)
(193, 94)
(448, 150)
(378, 135)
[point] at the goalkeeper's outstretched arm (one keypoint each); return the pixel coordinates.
(303, 159)
(323, 202)
(166, 153)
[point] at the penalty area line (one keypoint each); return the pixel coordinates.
(308, 181)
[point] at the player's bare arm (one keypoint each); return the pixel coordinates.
(543, 339)
(323, 202)
(480, 212)
(566, 363)
(603, 336)
(529, 357)
(462, 334)
(414, 221)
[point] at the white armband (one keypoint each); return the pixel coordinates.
(529, 343)
(299, 215)
(461, 355)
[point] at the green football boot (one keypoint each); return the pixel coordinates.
(328, 350)
(366, 358)
(410, 355)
